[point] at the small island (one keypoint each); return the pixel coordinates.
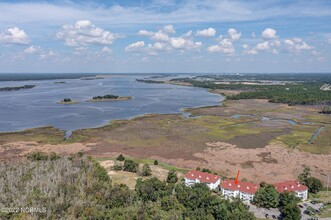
(15, 88)
(109, 97)
(67, 101)
(61, 82)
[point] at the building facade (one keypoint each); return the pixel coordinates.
(243, 190)
(193, 177)
(298, 189)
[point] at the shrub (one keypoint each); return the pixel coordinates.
(37, 156)
(146, 170)
(156, 162)
(130, 166)
(120, 158)
(172, 176)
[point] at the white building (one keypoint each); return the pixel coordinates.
(212, 181)
(243, 190)
(300, 190)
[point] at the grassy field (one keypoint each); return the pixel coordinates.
(43, 135)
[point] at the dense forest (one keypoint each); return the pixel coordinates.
(299, 93)
(77, 187)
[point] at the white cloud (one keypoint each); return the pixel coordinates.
(251, 52)
(33, 50)
(106, 50)
(234, 34)
(210, 32)
(225, 46)
(135, 47)
(245, 46)
(263, 46)
(145, 33)
(165, 41)
(169, 29)
(14, 35)
(296, 45)
(83, 32)
(45, 55)
(269, 33)
(159, 46)
(184, 43)
(161, 35)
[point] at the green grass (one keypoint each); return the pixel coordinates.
(42, 135)
(300, 136)
(326, 212)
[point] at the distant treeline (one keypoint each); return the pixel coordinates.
(148, 81)
(41, 76)
(77, 187)
(15, 88)
(292, 94)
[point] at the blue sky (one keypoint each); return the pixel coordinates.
(211, 36)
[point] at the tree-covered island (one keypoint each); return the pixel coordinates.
(109, 97)
(67, 101)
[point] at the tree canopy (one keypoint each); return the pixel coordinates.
(266, 197)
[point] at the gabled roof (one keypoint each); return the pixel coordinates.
(290, 186)
(202, 176)
(244, 187)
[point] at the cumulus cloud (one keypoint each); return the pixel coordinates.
(269, 33)
(296, 45)
(263, 46)
(135, 47)
(37, 50)
(14, 35)
(234, 34)
(165, 41)
(83, 32)
(184, 43)
(33, 50)
(169, 29)
(210, 32)
(225, 46)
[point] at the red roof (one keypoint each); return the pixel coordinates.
(290, 186)
(202, 176)
(244, 187)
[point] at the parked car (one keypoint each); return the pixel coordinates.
(301, 206)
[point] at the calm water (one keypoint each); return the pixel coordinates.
(37, 107)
